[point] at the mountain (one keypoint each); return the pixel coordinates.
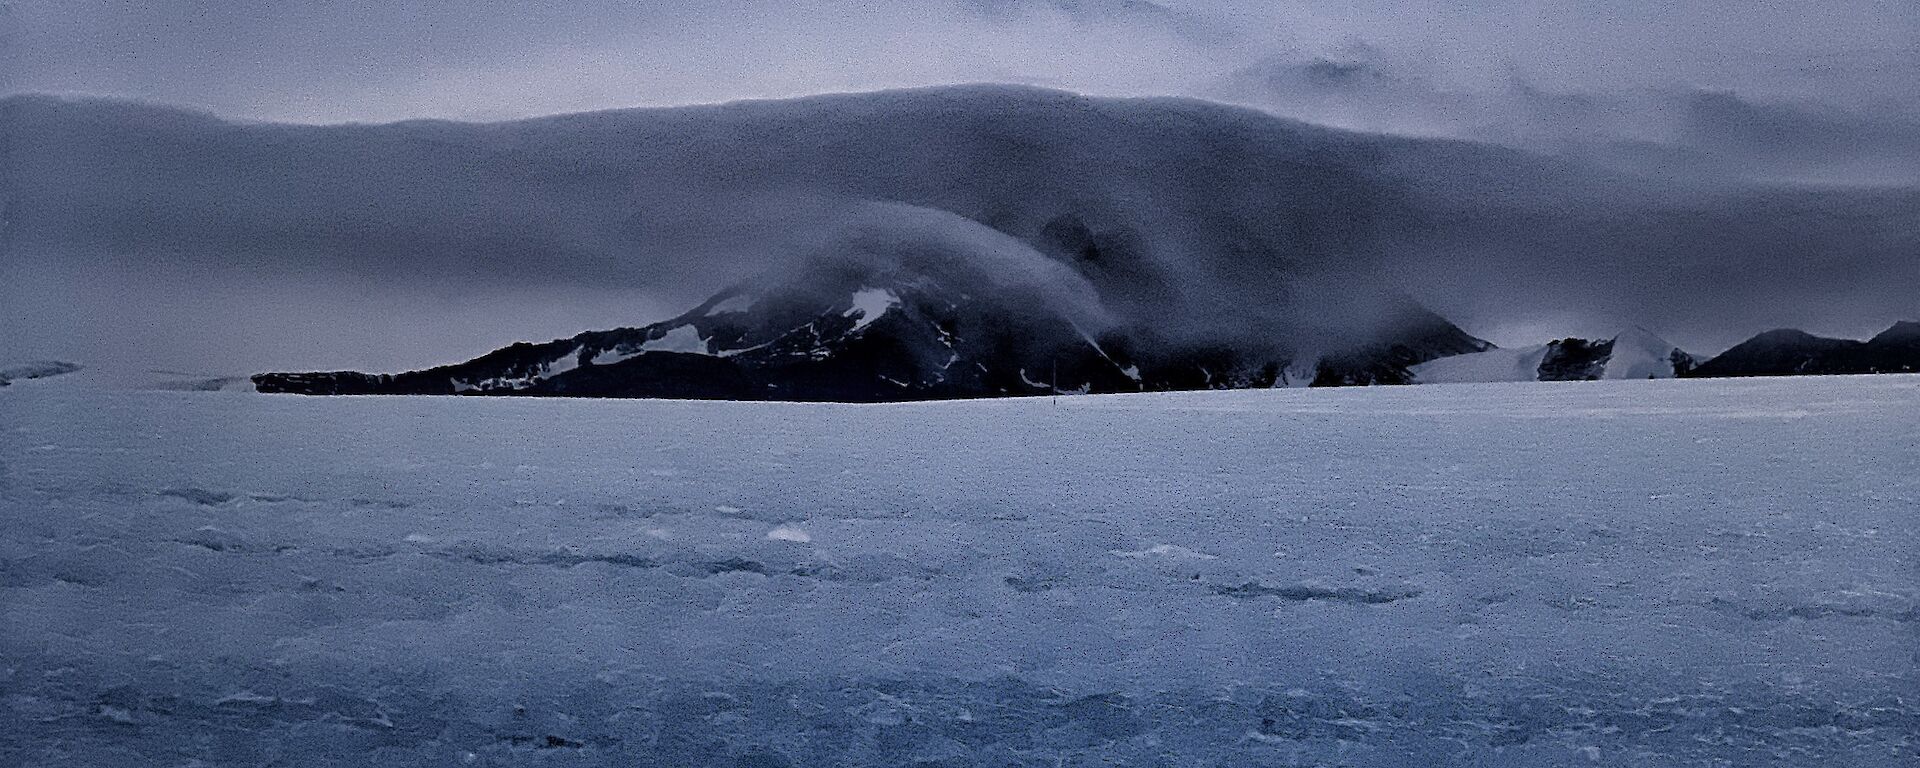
(1788, 352)
(1633, 354)
(850, 333)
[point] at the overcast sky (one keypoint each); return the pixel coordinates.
(377, 60)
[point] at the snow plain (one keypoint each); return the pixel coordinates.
(1647, 573)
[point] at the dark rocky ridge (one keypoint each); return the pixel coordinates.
(1787, 352)
(891, 337)
(924, 346)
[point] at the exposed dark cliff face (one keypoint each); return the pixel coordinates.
(1788, 352)
(1683, 363)
(1576, 360)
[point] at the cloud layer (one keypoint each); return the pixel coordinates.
(332, 60)
(370, 246)
(1815, 92)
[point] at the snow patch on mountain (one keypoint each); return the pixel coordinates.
(562, 364)
(1638, 354)
(684, 339)
(1518, 364)
(868, 305)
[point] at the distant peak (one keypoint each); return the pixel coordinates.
(1637, 336)
(1905, 331)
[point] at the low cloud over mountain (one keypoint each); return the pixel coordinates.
(147, 231)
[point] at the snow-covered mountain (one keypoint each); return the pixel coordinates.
(1633, 354)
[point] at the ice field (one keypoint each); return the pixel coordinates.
(1670, 573)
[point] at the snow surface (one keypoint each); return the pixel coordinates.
(1646, 573)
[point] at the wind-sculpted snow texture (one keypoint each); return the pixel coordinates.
(39, 369)
(1646, 573)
